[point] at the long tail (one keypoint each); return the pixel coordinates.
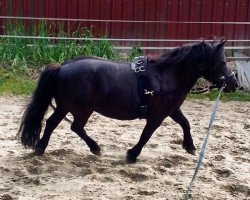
(31, 124)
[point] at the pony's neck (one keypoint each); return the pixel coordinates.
(186, 73)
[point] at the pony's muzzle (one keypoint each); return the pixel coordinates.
(231, 83)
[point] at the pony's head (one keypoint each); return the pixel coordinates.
(210, 61)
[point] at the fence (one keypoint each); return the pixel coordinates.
(151, 24)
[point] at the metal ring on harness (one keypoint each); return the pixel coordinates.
(149, 92)
(139, 69)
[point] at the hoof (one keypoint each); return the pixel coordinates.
(31, 155)
(96, 151)
(38, 152)
(191, 151)
(130, 157)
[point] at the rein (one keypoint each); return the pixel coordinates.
(204, 145)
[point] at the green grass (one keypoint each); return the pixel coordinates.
(212, 95)
(25, 53)
(13, 83)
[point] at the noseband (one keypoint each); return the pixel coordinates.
(222, 80)
(227, 78)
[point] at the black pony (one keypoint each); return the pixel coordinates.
(87, 84)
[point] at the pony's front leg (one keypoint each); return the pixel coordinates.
(151, 126)
(188, 144)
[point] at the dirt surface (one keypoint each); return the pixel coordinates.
(68, 170)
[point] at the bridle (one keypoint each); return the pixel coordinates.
(222, 80)
(226, 78)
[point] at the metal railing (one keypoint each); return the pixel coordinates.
(238, 47)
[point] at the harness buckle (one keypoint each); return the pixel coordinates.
(139, 69)
(138, 62)
(149, 92)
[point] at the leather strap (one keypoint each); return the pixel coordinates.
(139, 66)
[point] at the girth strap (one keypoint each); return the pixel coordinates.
(139, 66)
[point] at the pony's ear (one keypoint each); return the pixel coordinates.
(221, 44)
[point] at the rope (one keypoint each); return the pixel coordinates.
(203, 149)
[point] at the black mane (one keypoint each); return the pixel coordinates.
(188, 52)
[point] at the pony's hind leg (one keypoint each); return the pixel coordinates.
(78, 127)
(188, 144)
(51, 123)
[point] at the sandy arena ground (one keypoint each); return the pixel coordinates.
(68, 170)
